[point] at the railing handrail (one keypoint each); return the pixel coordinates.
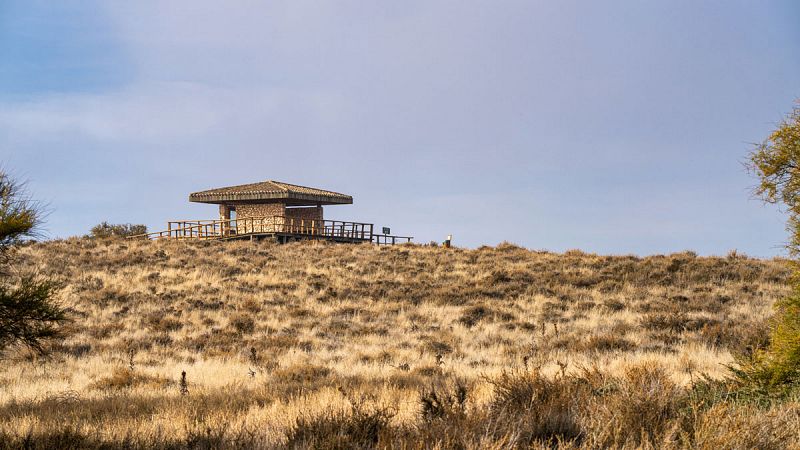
(220, 227)
(383, 239)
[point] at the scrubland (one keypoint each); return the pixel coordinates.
(315, 345)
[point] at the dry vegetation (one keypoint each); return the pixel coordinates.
(355, 346)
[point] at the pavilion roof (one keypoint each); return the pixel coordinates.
(271, 192)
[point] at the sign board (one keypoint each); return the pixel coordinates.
(386, 230)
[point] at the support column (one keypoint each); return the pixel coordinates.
(225, 215)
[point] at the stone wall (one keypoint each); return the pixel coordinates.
(313, 212)
(265, 210)
(262, 210)
(265, 220)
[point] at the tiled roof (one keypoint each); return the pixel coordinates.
(270, 191)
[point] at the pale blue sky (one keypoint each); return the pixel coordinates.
(613, 127)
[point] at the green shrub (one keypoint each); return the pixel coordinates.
(775, 162)
(29, 314)
(777, 367)
(107, 230)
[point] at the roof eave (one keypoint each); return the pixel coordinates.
(270, 198)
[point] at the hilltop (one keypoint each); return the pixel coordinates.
(281, 341)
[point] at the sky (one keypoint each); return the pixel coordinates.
(613, 127)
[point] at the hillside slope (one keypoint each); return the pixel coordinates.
(268, 334)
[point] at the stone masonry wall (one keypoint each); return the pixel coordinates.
(263, 210)
(313, 212)
(305, 220)
(266, 222)
(268, 210)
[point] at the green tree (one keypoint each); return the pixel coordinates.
(776, 162)
(29, 315)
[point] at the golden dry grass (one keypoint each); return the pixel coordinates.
(284, 344)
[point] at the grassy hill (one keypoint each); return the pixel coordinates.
(341, 346)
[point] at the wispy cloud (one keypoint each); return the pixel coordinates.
(154, 112)
(537, 114)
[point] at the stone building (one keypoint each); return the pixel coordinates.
(273, 210)
(270, 199)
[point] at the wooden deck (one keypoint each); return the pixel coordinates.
(280, 228)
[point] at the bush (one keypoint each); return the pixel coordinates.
(358, 429)
(535, 408)
(775, 162)
(124, 378)
(724, 426)
(784, 350)
(243, 323)
(608, 343)
(29, 314)
(776, 368)
(107, 230)
(444, 402)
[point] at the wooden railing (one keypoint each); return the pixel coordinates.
(217, 229)
(386, 239)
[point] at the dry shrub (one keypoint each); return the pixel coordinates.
(293, 380)
(216, 341)
(610, 286)
(671, 322)
(534, 408)
(278, 342)
(637, 409)
(608, 343)
(743, 427)
(526, 410)
(478, 313)
(251, 305)
(402, 379)
(444, 419)
(584, 306)
(243, 323)
(740, 340)
(160, 322)
(437, 346)
(125, 378)
(105, 330)
(77, 350)
(321, 317)
(64, 438)
(444, 401)
(427, 371)
(335, 430)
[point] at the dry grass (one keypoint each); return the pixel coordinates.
(343, 346)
